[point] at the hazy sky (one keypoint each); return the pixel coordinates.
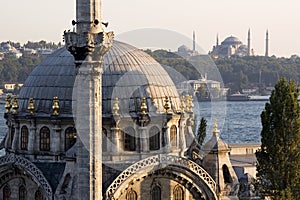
(23, 20)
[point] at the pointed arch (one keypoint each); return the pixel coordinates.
(24, 138)
(178, 193)
(173, 136)
(156, 193)
(6, 192)
(131, 195)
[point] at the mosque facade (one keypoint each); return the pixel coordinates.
(101, 119)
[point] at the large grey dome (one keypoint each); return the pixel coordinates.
(231, 41)
(129, 74)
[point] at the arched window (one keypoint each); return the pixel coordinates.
(173, 136)
(129, 139)
(38, 195)
(6, 192)
(22, 193)
(70, 137)
(104, 140)
(226, 174)
(131, 195)
(24, 138)
(45, 139)
(178, 193)
(156, 193)
(154, 138)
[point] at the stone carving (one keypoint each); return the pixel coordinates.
(162, 159)
(31, 168)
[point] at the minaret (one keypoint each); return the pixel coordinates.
(194, 42)
(88, 44)
(217, 44)
(249, 45)
(267, 44)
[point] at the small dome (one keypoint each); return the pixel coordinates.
(231, 41)
(128, 74)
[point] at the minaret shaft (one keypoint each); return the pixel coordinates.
(249, 44)
(87, 15)
(267, 44)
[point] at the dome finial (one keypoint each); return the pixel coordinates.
(15, 106)
(215, 130)
(116, 106)
(8, 104)
(143, 106)
(55, 106)
(31, 106)
(167, 105)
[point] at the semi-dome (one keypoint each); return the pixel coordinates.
(231, 41)
(128, 74)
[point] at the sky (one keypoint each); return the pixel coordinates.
(35, 20)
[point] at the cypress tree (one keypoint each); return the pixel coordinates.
(202, 131)
(278, 160)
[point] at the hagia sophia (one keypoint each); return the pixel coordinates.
(232, 46)
(101, 119)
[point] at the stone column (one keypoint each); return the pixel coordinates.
(31, 136)
(16, 138)
(182, 127)
(116, 143)
(144, 139)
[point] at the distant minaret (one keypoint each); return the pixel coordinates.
(267, 44)
(194, 42)
(217, 40)
(249, 46)
(88, 44)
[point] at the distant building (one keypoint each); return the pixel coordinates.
(185, 51)
(8, 50)
(12, 86)
(232, 46)
(195, 86)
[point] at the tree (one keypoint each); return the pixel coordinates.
(201, 134)
(278, 160)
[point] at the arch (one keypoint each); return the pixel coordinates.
(173, 136)
(182, 168)
(45, 139)
(156, 193)
(154, 138)
(131, 195)
(30, 168)
(6, 192)
(226, 174)
(129, 139)
(22, 192)
(24, 138)
(38, 195)
(178, 193)
(70, 137)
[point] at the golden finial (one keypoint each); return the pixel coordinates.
(182, 104)
(167, 105)
(116, 106)
(55, 106)
(215, 129)
(15, 106)
(143, 106)
(8, 104)
(31, 106)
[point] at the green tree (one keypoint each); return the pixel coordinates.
(278, 159)
(201, 134)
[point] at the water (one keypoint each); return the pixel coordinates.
(237, 121)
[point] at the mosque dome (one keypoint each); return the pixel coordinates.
(128, 74)
(231, 41)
